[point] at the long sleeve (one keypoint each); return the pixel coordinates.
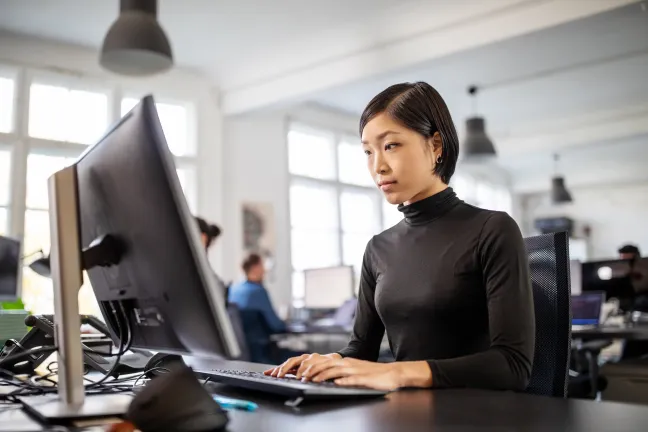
(264, 305)
(507, 363)
(368, 329)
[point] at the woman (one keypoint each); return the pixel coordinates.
(208, 232)
(449, 283)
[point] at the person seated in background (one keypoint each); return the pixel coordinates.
(629, 252)
(259, 318)
(208, 232)
(208, 235)
(632, 253)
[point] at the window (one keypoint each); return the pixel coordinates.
(38, 294)
(62, 118)
(482, 194)
(352, 166)
(335, 208)
(174, 119)
(63, 114)
(6, 104)
(5, 164)
(311, 154)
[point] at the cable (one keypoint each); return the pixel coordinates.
(30, 387)
(39, 350)
(129, 336)
(122, 346)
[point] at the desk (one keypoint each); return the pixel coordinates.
(639, 332)
(438, 410)
(425, 410)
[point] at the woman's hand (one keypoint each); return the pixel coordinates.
(381, 376)
(297, 365)
(357, 373)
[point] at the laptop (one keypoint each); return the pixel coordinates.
(587, 309)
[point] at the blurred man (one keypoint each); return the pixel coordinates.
(630, 252)
(258, 316)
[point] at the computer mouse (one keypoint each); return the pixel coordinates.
(161, 363)
(176, 401)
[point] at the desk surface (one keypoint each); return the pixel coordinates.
(439, 410)
(639, 332)
(417, 410)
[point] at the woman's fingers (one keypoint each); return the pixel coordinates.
(286, 366)
(309, 362)
(315, 369)
(334, 372)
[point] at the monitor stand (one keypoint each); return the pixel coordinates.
(71, 402)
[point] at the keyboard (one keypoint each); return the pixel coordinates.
(288, 386)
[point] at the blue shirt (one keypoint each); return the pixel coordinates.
(253, 296)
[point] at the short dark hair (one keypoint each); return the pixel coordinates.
(418, 106)
(250, 261)
(629, 249)
(210, 230)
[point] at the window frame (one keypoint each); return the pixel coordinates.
(337, 136)
(71, 82)
(21, 145)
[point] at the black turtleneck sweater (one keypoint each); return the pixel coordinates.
(450, 285)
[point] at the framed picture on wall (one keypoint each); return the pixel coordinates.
(259, 234)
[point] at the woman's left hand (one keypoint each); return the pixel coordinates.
(356, 373)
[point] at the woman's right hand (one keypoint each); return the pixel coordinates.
(298, 365)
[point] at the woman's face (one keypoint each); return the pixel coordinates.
(401, 160)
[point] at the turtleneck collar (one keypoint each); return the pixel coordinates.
(430, 208)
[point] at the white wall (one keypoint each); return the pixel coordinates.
(616, 214)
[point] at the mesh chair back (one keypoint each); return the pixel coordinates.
(549, 269)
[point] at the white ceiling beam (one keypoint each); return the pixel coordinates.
(487, 22)
(612, 126)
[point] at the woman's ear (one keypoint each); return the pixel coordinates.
(437, 144)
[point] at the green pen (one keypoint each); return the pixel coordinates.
(227, 403)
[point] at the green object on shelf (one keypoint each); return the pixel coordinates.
(7, 305)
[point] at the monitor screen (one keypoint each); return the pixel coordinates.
(9, 268)
(611, 277)
(328, 288)
(586, 308)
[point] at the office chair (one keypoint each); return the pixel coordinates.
(549, 269)
(237, 325)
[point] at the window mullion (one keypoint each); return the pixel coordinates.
(339, 189)
(19, 154)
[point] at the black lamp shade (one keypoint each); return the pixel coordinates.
(136, 45)
(477, 142)
(42, 266)
(559, 193)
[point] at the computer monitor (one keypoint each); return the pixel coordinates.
(587, 308)
(9, 268)
(122, 205)
(128, 188)
(610, 276)
(328, 288)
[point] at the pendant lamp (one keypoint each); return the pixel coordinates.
(135, 44)
(559, 192)
(477, 142)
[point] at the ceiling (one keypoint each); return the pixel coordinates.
(601, 65)
(228, 39)
(250, 40)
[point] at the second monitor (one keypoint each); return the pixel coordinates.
(328, 288)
